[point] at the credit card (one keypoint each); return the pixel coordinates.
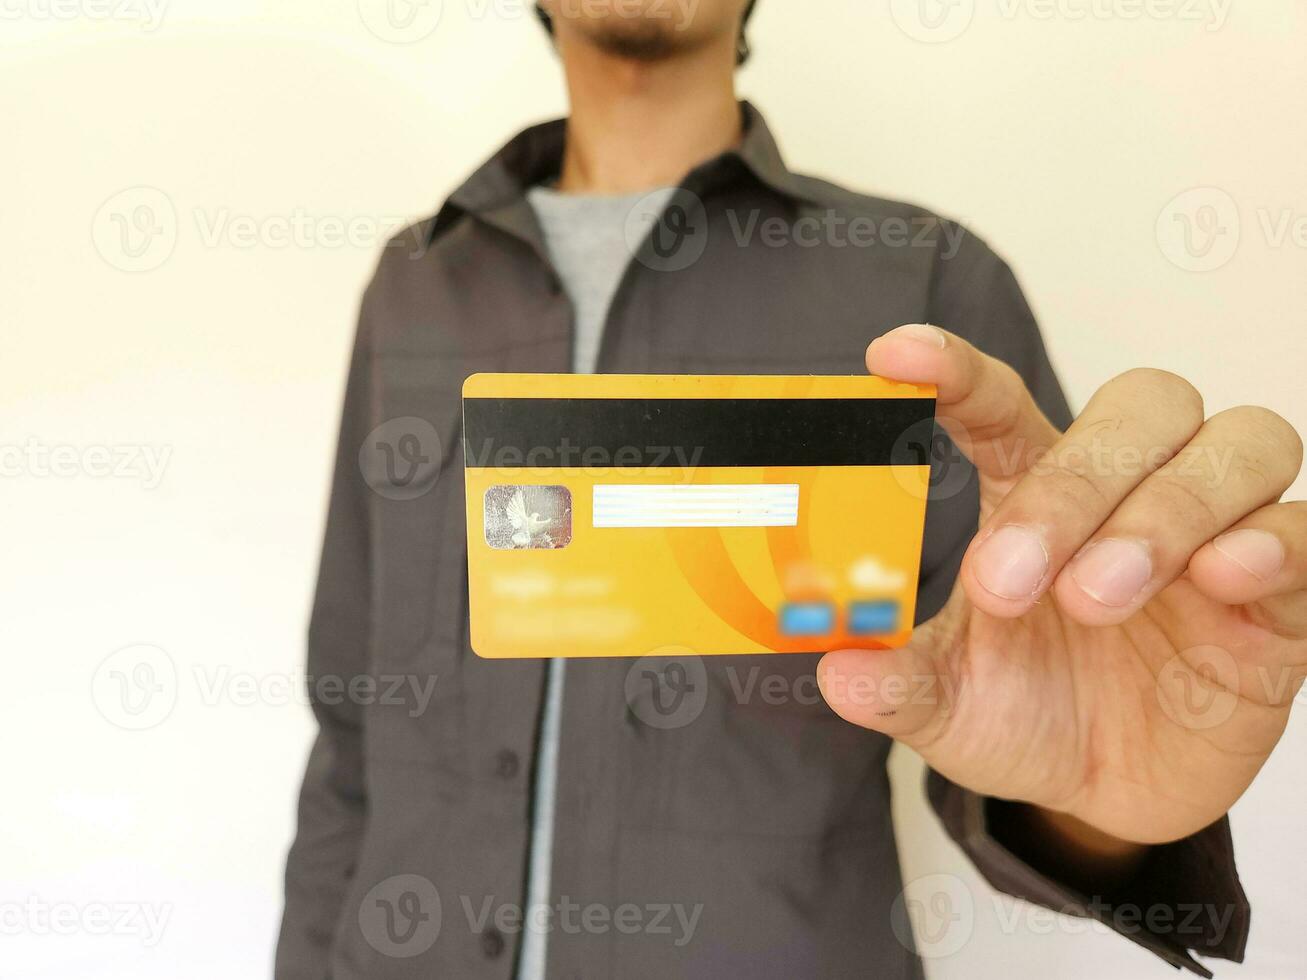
(632, 515)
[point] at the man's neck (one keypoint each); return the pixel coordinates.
(635, 125)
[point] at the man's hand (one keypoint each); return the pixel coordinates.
(1129, 627)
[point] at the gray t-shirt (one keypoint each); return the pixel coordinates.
(590, 238)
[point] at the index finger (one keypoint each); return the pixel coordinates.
(981, 402)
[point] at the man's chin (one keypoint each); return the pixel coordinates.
(639, 40)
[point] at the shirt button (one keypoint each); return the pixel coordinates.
(492, 944)
(506, 764)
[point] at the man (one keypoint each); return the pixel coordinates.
(1097, 637)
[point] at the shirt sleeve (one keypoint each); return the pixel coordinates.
(1186, 895)
(333, 800)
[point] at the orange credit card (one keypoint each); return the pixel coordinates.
(629, 515)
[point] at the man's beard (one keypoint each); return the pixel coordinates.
(636, 39)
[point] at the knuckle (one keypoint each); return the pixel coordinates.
(1272, 430)
(1007, 409)
(1005, 374)
(1297, 523)
(1081, 490)
(1186, 504)
(1011, 382)
(1264, 477)
(1162, 391)
(1294, 518)
(1266, 442)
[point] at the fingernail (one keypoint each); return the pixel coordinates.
(920, 332)
(1012, 562)
(1259, 553)
(1113, 571)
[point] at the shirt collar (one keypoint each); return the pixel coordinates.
(535, 156)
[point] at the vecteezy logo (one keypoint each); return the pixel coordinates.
(933, 21)
(667, 235)
(136, 229)
(677, 680)
(1199, 229)
(136, 687)
(400, 459)
(924, 443)
(934, 915)
(1197, 687)
(670, 233)
(668, 688)
(400, 21)
(400, 916)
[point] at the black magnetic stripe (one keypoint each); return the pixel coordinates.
(651, 432)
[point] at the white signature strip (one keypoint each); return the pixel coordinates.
(698, 505)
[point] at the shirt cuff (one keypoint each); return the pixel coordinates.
(1186, 896)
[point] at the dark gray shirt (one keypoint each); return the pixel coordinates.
(751, 840)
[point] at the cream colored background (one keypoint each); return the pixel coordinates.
(1063, 139)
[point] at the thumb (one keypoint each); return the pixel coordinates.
(981, 402)
(903, 693)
